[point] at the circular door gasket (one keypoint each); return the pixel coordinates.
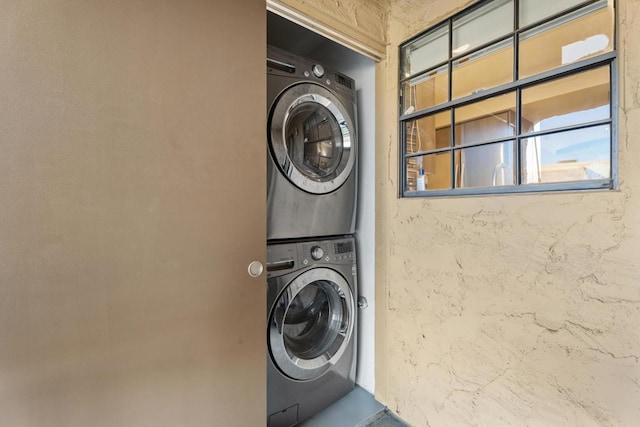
(293, 100)
(308, 361)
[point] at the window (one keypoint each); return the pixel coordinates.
(510, 96)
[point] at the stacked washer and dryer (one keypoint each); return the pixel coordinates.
(311, 257)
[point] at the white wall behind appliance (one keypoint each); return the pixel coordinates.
(300, 41)
(362, 70)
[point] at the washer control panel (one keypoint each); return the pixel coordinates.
(338, 251)
(283, 258)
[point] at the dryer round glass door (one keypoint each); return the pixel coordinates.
(311, 323)
(312, 138)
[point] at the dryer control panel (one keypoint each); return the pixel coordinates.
(283, 63)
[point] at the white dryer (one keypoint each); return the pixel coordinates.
(311, 333)
(312, 138)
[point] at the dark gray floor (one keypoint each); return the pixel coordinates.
(356, 409)
(353, 410)
(386, 419)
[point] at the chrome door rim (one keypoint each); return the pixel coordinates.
(306, 369)
(290, 99)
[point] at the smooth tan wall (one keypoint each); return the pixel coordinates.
(510, 310)
(132, 196)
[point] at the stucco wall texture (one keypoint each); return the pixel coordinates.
(361, 20)
(364, 16)
(508, 310)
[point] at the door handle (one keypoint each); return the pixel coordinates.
(255, 269)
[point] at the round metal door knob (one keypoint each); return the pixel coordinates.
(255, 269)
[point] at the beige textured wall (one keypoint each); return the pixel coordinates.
(511, 310)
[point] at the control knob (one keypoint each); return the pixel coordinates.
(317, 253)
(318, 70)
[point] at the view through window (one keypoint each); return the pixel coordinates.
(510, 96)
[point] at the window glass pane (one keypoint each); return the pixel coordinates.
(576, 155)
(572, 38)
(426, 52)
(482, 70)
(428, 133)
(489, 165)
(437, 171)
(493, 118)
(425, 91)
(535, 10)
(482, 25)
(580, 98)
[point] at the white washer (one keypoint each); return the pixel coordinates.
(312, 137)
(311, 313)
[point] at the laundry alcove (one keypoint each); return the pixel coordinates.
(287, 35)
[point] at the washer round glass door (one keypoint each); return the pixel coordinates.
(311, 323)
(312, 138)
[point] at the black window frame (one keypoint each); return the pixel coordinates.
(517, 85)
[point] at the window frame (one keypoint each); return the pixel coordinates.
(517, 85)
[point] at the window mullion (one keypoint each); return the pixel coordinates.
(518, 132)
(452, 142)
(452, 147)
